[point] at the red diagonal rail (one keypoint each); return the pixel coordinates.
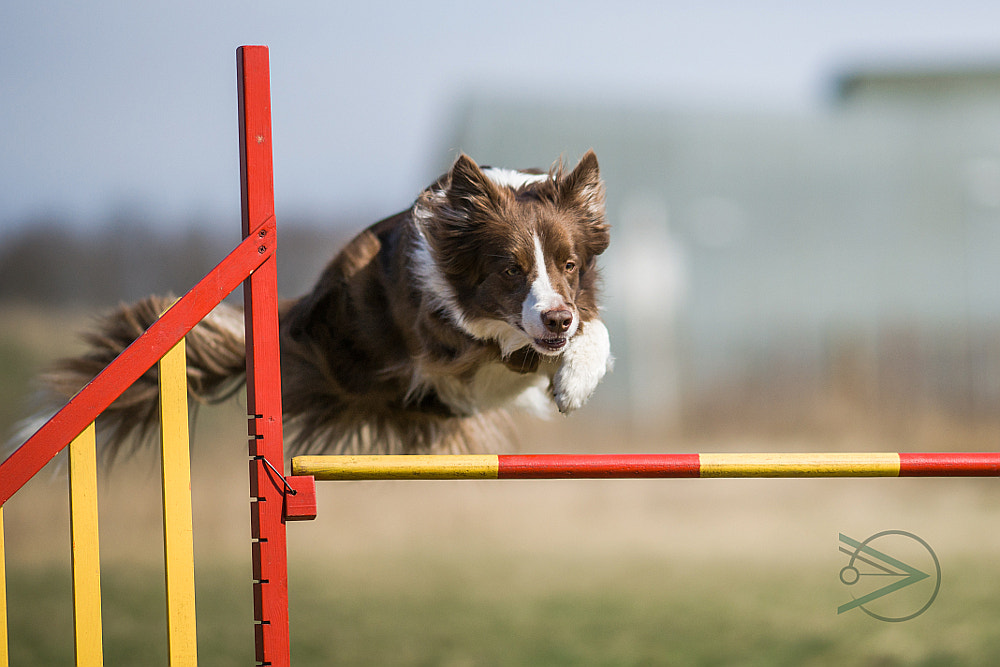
(135, 360)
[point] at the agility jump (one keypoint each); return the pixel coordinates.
(277, 499)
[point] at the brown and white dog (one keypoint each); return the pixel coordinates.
(422, 330)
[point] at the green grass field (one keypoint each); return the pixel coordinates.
(564, 573)
(671, 572)
(571, 611)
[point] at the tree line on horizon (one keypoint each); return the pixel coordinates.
(53, 263)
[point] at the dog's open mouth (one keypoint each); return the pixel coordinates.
(551, 344)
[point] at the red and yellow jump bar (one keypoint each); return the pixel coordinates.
(621, 466)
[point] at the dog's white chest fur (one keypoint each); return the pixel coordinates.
(495, 386)
(569, 380)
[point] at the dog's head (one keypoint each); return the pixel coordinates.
(510, 256)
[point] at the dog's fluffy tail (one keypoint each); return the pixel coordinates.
(216, 369)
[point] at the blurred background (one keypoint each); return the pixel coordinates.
(805, 200)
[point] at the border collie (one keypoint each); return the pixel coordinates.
(421, 331)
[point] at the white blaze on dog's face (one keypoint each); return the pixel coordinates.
(547, 315)
(511, 256)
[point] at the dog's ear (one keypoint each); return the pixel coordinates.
(469, 188)
(584, 189)
(584, 186)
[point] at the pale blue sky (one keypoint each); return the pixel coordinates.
(133, 104)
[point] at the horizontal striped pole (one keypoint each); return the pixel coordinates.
(621, 466)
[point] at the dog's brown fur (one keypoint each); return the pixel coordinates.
(374, 356)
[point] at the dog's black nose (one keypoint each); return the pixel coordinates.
(557, 321)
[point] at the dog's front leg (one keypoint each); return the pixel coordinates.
(582, 366)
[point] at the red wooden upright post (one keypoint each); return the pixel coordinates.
(263, 364)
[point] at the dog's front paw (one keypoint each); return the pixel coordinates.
(584, 363)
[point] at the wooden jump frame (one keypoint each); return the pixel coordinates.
(253, 265)
(275, 498)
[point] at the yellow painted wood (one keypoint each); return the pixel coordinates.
(87, 629)
(4, 659)
(410, 466)
(178, 534)
(836, 464)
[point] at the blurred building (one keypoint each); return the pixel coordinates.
(790, 267)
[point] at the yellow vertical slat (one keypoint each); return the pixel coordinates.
(4, 660)
(178, 541)
(87, 630)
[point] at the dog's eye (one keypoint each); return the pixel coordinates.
(570, 267)
(512, 271)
